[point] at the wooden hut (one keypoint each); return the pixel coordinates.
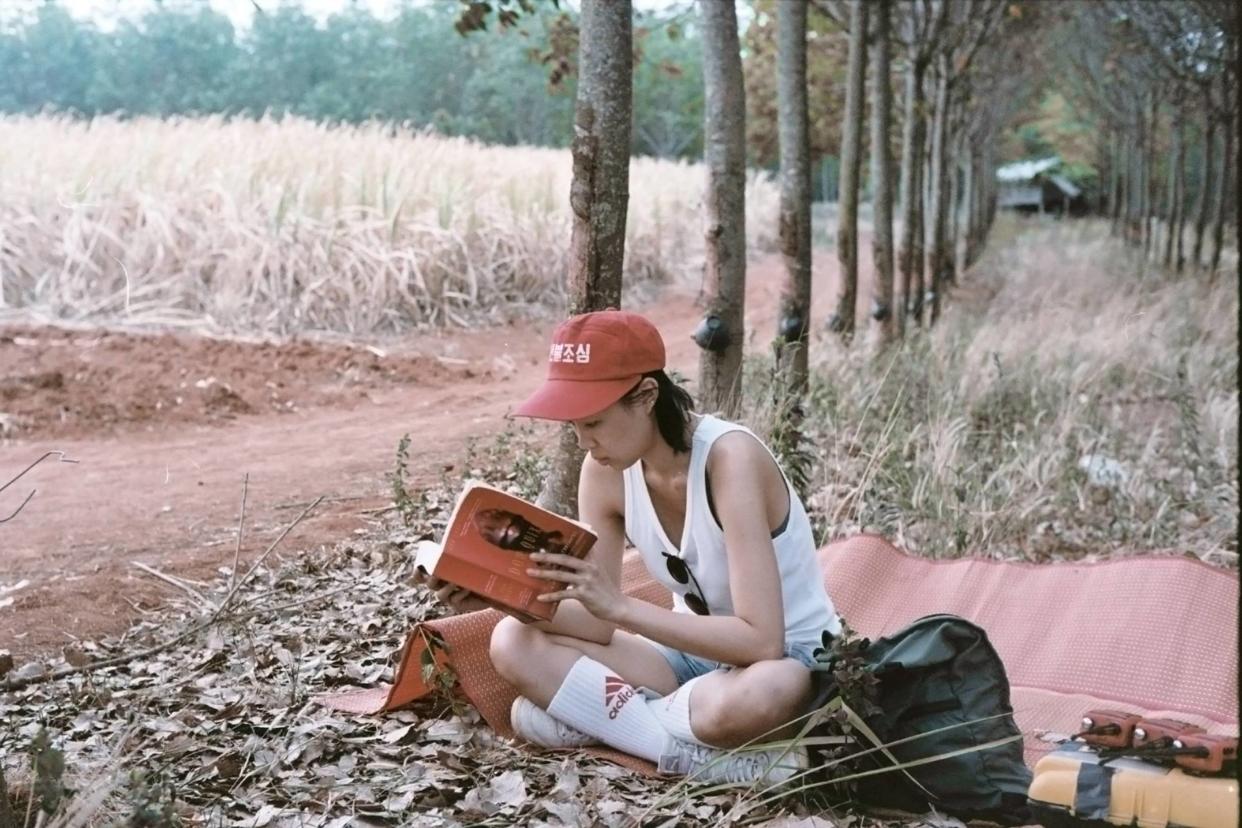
(1037, 187)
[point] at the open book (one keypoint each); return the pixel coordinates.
(487, 544)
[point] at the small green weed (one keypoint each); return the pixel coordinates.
(402, 501)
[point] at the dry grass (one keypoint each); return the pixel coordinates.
(291, 226)
(1059, 345)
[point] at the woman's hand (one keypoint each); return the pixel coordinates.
(454, 597)
(584, 581)
(461, 600)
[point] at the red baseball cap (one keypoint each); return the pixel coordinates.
(594, 360)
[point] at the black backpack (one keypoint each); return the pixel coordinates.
(939, 672)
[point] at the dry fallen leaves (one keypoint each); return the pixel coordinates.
(225, 717)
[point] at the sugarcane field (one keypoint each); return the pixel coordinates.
(778, 413)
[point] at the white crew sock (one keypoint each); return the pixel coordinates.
(673, 712)
(596, 701)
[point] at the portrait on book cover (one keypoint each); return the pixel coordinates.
(509, 530)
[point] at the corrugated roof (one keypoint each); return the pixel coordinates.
(1068, 187)
(1026, 170)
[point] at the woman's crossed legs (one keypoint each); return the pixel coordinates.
(728, 707)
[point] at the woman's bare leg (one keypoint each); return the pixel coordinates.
(536, 662)
(728, 708)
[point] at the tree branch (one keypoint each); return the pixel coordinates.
(20, 474)
(65, 672)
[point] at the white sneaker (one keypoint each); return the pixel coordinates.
(539, 727)
(706, 764)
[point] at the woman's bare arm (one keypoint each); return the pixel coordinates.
(601, 499)
(747, 488)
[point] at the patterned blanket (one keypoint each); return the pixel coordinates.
(1156, 635)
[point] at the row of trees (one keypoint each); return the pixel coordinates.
(962, 84)
(412, 68)
(513, 88)
(1161, 81)
(967, 67)
(936, 81)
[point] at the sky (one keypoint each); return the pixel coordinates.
(105, 13)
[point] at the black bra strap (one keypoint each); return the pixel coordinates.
(711, 504)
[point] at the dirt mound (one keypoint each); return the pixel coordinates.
(164, 427)
(57, 382)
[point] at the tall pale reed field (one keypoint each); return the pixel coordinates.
(290, 226)
(1072, 403)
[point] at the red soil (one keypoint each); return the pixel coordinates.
(164, 426)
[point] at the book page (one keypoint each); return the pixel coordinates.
(427, 555)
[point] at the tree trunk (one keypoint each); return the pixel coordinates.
(1134, 183)
(954, 170)
(882, 181)
(918, 259)
(724, 141)
(1205, 180)
(1134, 224)
(991, 188)
(1173, 200)
(1222, 196)
(1149, 178)
(1128, 190)
(982, 169)
(940, 260)
(598, 196)
(1179, 231)
(1117, 193)
(911, 186)
(993, 191)
(851, 163)
(969, 201)
(795, 229)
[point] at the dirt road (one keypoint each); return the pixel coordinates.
(164, 427)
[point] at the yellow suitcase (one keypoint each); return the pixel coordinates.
(1070, 786)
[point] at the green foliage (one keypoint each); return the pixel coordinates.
(834, 737)
(402, 501)
(435, 670)
(8, 819)
(786, 436)
(152, 801)
(48, 763)
(1034, 144)
(668, 90)
(177, 60)
(842, 655)
(514, 460)
(513, 83)
(827, 49)
(475, 14)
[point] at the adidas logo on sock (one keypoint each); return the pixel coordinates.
(617, 692)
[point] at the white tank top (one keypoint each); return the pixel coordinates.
(808, 609)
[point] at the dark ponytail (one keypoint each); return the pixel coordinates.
(672, 410)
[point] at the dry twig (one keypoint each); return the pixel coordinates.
(65, 672)
(174, 581)
(240, 520)
(20, 474)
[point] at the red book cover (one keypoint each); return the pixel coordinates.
(487, 545)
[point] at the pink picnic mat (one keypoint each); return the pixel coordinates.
(1155, 635)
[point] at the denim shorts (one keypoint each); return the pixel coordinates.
(686, 666)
